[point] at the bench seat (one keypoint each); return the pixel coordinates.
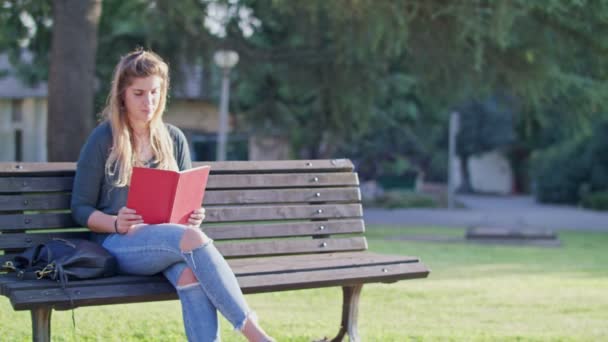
(255, 275)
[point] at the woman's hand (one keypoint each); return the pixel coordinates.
(196, 218)
(126, 220)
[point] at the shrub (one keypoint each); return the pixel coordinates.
(558, 172)
(596, 200)
(404, 199)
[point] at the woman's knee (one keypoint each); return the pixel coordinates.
(192, 239)
(186, 278)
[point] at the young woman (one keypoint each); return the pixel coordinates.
(134, 134)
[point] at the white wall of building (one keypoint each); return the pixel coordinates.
(24, 120)
(7, 137)
(490, 173)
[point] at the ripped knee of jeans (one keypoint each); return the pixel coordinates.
(192, 239)
(187, 279)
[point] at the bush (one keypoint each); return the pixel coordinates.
(404, 199)
(596, 200)
(559, 172)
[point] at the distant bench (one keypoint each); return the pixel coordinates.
(282, 225)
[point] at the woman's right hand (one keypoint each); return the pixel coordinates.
(127, 219)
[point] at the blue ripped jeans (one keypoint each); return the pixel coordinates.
(153, 249)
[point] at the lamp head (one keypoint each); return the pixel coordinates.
(226, 59)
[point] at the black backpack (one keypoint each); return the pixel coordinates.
(63, 260)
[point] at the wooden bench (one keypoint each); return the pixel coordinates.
(282, 225)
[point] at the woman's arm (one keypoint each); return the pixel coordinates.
(100, 222)
(125, 220)
(90, 173)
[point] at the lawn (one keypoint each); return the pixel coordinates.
(475, 293)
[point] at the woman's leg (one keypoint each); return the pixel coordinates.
(199, 314)
(213, 272)
(151, 249)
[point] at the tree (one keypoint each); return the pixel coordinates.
(68, 28)
(316, 69)
(483, 127)
(73, 68)
(71, 77)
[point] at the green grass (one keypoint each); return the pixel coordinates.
(475, 293)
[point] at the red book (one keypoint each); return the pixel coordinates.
(163, 196)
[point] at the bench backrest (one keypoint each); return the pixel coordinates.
(254, 208)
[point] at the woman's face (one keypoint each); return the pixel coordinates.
(142, 97)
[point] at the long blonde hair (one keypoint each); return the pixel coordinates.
(122, 158)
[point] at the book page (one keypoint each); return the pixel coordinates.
(189, 193)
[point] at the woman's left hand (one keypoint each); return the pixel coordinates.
(197, 217)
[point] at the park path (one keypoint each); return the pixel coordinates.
(496, 211)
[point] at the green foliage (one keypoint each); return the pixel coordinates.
(316, 70)
(484, 126)
(596, 200)
(572, 171)
(559, 172)
(334, 74)
(177, 35)
(403, 199)
(26, 23)
(403, 135)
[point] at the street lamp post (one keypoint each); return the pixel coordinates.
(454, 128)
(226, 60)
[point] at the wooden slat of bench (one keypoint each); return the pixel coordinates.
(215, 231)
(93, 295)
(284, 212)
(282, 196)
(273, 247)
(36, 221)
(267, 230)
(280, 247)
(241, 267)
(331, 277)
(9, 168)
(158, 289)
(213, 215)
(25, 240)
(310, 262)
(61, 201)
(52, 201)
(9, 283)
(284, 180)
(280, 165)
(13, 241)
(255, 181)
(35, 184)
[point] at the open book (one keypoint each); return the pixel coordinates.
(163, 196)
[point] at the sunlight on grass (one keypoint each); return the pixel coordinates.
(474, 293)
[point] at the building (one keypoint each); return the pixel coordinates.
(23, 117)
(490, 173)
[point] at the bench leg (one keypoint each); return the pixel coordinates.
(41, 324)
(350, 312)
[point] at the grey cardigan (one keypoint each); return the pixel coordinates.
(93, 189)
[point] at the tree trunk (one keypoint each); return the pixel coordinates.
(465, 185)
(72, 77)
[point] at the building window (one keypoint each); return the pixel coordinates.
(11, 131)
(17, 123)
